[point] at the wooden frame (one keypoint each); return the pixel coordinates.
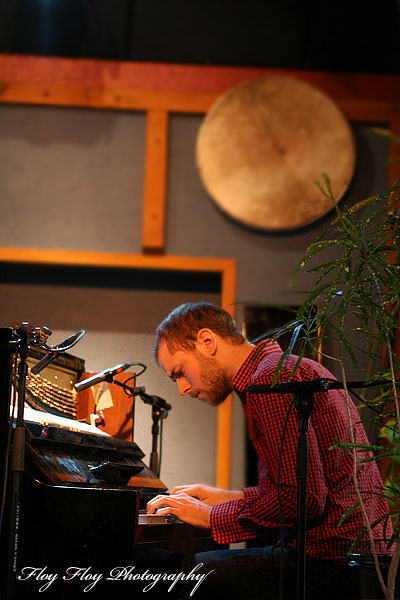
(226, 268)
(158, 90)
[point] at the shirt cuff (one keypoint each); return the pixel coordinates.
(226, 525)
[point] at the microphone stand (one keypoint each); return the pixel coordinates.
(304, 404)
(159, 411)
(26, 336)
(17, 466)
(157, 414)
(303, 400)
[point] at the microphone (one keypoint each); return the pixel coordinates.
(103, 376)
(297, 387)
(312, 386)
(155, 401)
(44, 362)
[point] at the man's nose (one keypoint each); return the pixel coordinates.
(183, 386)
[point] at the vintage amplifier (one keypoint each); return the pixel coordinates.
(52, 390)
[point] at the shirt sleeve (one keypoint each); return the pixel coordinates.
(259, 510)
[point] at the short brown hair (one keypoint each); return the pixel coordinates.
(179, 329)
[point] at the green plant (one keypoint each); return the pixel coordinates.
(356, 290)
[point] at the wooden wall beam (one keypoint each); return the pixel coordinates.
(84, 258)
(369, 111)
(86, 96)
(155, 184)
(195, 79)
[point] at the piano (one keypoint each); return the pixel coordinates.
(81, 505)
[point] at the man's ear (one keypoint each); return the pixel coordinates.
(207, 341)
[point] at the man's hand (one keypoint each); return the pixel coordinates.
(184, 507)
(207, 494)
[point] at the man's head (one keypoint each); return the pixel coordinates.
(180, 328)
(196, 345)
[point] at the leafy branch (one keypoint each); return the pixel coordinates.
(356, 300)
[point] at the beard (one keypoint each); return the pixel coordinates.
(215, 384)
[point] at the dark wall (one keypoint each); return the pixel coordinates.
(348, 36)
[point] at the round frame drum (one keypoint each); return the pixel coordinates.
(264, 144)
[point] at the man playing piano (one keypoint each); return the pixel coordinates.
(199, 347)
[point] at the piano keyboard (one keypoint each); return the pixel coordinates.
(145, 519)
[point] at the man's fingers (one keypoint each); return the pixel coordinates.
(159, 502)
(166, 510)
(184, 507)
(184, 488)
(155, 503)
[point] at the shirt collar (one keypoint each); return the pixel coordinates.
(240, 381)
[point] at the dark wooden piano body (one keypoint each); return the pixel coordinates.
(79, 507)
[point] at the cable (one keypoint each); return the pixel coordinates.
(66, 344)
(130, 395)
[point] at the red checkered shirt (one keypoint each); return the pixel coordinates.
(330, 488)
